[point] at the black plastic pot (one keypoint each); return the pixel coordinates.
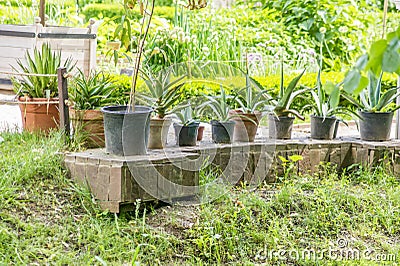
(186, 135)
(323, 128)
(280, 127)
(222, 132)
(375, 126)
(126, 133)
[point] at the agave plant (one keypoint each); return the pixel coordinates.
(325, 99)
(185, 115)
(249, 99)
(42, 61)
(91, 92)
(281, 106)
(218, 105)
(371, 98)
(163, 93)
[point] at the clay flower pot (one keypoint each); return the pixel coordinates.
(159, 132)
(91, 123)
(39, 117)
(246, 125)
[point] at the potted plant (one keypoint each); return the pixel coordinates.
(38, 91)
(375, 109)
(280, 120)
(363, 87)
(222, 128)
(162, 96)
(88, 95)
(325, 103)
(127, 127)
(247, 117)
(187, 128)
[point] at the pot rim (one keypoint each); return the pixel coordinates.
(366, 112)
(146, 110)
(193, 124)
(281, 117)
(326, 117)
(216, 122)
(33, 99)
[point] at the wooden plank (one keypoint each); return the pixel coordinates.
(19, 28)
(63, 96)
(28, 43)
(12, 52)
(65, 43)
(65, 30)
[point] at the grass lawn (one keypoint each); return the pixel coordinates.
(327, 219)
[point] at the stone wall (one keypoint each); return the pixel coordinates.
(173, 173)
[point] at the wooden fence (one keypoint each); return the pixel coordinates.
(16, 40)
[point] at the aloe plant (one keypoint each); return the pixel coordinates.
(42, 61)
(218, 105)
(163, 93)
(91, 92)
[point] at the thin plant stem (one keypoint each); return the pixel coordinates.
(132, 100)
(385, 9)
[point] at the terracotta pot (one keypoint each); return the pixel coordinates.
(39, 117)
(200, 133)
(246, 125)
(159, 132)
(90, 123)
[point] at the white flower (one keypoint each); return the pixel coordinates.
(357, 23)
(343, 29)
(217, 236)
(205, 50)
(322, 30)
(181, 35)
(186, 39)
(261, 44)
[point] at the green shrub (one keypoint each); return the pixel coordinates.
(117, 10)
(194, 90)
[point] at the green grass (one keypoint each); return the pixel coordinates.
(45, 218)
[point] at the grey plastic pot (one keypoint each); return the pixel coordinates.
(280, 127)
(375, 126)
(126, 133)
(186, 135)
(222, 132)
(323, 128)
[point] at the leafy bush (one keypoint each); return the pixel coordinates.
(117, 10)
